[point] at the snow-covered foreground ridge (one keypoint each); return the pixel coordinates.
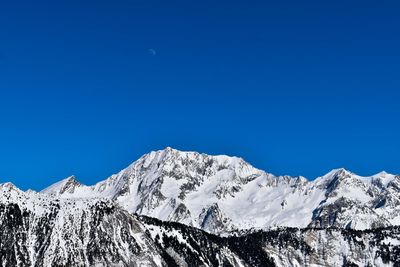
(39, 230)
(220, 193)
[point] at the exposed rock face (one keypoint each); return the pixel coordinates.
(357, 202)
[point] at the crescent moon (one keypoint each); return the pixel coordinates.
(152, 52)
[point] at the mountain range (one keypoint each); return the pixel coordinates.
(180, 208)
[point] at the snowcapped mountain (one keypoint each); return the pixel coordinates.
(220, 194)
(153, 213)
(42, 230)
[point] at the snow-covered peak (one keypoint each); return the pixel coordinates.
(67, 185)
(336, 172)
(384, 177)
(186, 165)
(171, 156)
(8, 186)
(345, 176)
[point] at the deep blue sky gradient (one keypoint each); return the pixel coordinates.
(294, 87)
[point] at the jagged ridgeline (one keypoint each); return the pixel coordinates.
(174, 208)
(220, 194)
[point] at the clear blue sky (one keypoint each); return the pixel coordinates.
(294, 87)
